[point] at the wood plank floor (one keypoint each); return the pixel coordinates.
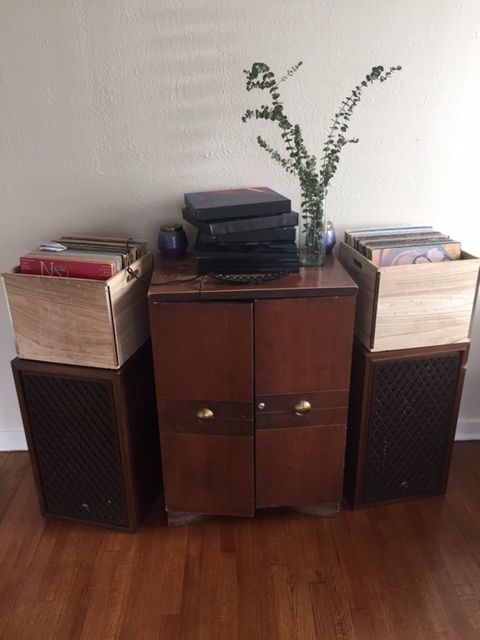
(409, 571)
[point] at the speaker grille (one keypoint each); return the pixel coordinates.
(409, 430)
(72, 425)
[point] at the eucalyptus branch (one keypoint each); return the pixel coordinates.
(340, 124)
(313, 182)
(286, 163)
(291, 71)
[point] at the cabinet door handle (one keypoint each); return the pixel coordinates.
(302, 407)
(205, 414)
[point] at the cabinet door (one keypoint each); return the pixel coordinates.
(302, 359)
(203, 357)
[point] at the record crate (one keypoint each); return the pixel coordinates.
(76, 321)
(415, 305)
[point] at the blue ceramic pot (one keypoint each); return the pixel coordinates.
(172, 241)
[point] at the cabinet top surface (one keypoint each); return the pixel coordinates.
(166, 284)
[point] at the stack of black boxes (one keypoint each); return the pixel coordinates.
(243, 231)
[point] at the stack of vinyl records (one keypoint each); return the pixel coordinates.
(243, 231)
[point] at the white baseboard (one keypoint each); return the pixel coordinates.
(468, 430)
(12, 441)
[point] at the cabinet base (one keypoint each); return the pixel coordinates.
(182, 518)
(323, 510)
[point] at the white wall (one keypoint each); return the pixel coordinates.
(112, 109)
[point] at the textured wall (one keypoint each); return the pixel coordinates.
(111, 109)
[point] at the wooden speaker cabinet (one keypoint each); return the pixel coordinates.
(92, 439)
(401, 425)
(252, 390)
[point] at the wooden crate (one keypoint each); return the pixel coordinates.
(84, 322)
(418, 305)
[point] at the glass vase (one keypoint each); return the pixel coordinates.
(312, 245)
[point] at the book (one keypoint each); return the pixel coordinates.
(130, 247)
(361, 243)
(127, 257)
(236, 203)
(374, 237)
(79, 256)
(352, 235)
(439, 238)
(355, 239)
(106, 239)
(248, 258)
(257, 248)
(55, 265)
(206, 266)
(400, 240)
(283, 234)
(239, 225)
(415, 254)
(243, 259)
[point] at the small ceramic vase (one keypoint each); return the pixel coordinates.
(172, 241)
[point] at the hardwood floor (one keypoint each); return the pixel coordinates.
(409, 571)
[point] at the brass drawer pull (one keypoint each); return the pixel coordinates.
(205, 414)
(302, 407)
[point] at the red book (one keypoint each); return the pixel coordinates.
(53, 266)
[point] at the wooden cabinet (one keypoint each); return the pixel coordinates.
(252, 389)
(302, 355)
(204, 362)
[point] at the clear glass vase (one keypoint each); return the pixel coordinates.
(312, 245)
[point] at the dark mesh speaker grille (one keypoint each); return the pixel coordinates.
(409, 427)
(72, 426)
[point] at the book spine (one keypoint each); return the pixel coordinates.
(222, 228)
(265, 235)
(66, 268)
(206, 268)
(240, 210)
(357, 238)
